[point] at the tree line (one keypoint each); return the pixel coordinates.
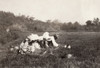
(26, 23)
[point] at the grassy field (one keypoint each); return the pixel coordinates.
(85, 53)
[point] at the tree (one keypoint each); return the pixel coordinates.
(48, 21)
(89, 23)
(69, 26)
(64, 26)
(96, 21)
(76, 26)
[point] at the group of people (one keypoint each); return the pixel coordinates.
(35, 42)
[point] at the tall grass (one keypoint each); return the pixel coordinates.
(85, 54)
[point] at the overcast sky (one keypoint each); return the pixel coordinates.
(63, 10)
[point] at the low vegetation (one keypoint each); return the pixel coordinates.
(85, 54)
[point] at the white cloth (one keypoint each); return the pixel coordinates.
(33, 37)
(53, 41)
(33, 47)
(46, 35)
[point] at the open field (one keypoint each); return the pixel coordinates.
(85, 53)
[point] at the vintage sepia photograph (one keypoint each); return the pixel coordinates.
(49, 33)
